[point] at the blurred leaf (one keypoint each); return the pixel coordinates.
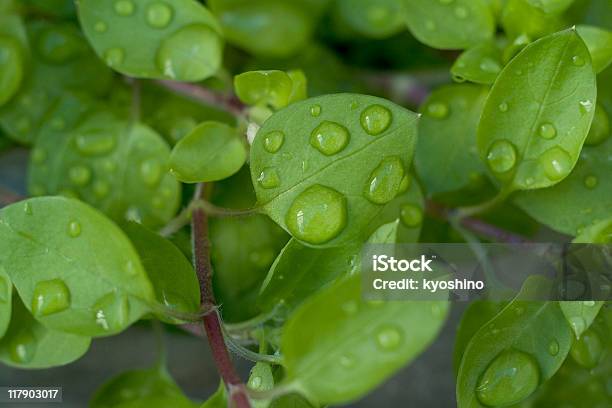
(480, 64)
(599, 43)
(519, 17)
(373, 18)
(6, 300)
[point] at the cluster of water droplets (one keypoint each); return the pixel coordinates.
(459, 11)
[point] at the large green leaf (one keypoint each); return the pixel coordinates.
(29, 344)
(74, 269)
(118, 167)
(582, 198)
(449, 24)
(337, 347)
(373, 18)
(312, 166)
(538, 113)
(180, 41)
(6, 296)
(446, 158)
(506, 359)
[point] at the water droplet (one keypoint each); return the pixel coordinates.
(519, 72)
(74, 229)
(389, 337)
(124, 7)
(190, 54)
(354, 105)
(255, 382)
(79, 175)
(461, 12)
(273, 141)
(587, 350)
(577, 60)
(23, 347)
(315, 110)
(347, 361)
(503, 107)
(269, 178)
(586, 106)
(490, 65)
(151, 172)
(547, 131)
(411, 215)
(437, 110)
(556, 163)
(133, 213)
(502, 156)
(49, 297)
(101, 189)
(114, 57)
(375, 119)
(553, 347)
(578, 325)
(329, 138)
(350, 307)
(405, 184)
(511, 377)
(589, 303)
(94, 142)
(430, 25)
(590, 182)
(100, 27)
(159, 15)
(112, 312)
(39, 155)
(519, 310)
(130, 269)
(27, 208)
(384, 182)
(317, 215)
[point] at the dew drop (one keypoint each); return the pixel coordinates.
(190, 54)
(461, 12)
(94, 142)
(151, 172)
(389, 337)
(590, 182)
(430, 25)
(511, 377)
(74, 229)
(114, 57)
(490, 66)
(124, 7)
(23, 347)
(587, 350)
(49, 297)
(385, 180)
(437, 110)
(501, 156)
(39, 155)
(255, 382)
(79, 175)
(273, 141)
(269, 178)
(577, 60)
(329, 138)
(503, 107)
(589, 303)
(317, 215)
(553, 347)
(159, 15)
(578, 324)
(130, 269)
(101, 189)
(547, 131)
(315, 110)
(556, 163)
(411, 215)
(375, 119)
(405, 184)
(100, 27)
(112, 312)
(586, 106)
(347, 361)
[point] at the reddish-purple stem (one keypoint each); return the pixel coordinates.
(227, 102)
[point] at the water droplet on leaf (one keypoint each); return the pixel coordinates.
(79, 175)
(124, 7)
(49, 297)
(437, 110)
(556, 163)
(490, 65)
(461, 12)
(389, 337)
(94, 142)
(269, 178)
(100, 27)
(273, 141)
(114, 57)
(375, 119)
(384, 182)
(23, 347)
(74, 229)
(159, 15)
(503, 107)
(553, 347)
(411, 215)
(547, 131)
(112, 312)
(578, 60)
(590, 182)
(501, 156)
(151, 172)
(315, 110)
(329, 138)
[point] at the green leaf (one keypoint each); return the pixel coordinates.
(6, 295)
(29, 344)
(312, 167)
(118, 167)
(172, 275)
(264, 88)
(480, 64)
(582, 198)
(600, 128)
(150, 388)
(538, 113)
(373, 18)
(74, 269)
(261, 377)
(580, 315)
(598, 233)
(299, 85)
(506, 360)
(210, 152)
(218, 399)
(446, 158)
(599, 43)
(449, 25)
(181, 41)
(59, 8)
(551, 6)
(337, 347)
(11, 67)
(521, 18)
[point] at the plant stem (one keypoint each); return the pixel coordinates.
(212, 322)
(227, 102)
(463, 212)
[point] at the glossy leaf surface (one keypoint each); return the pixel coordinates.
(599, 43)
(480, 64)
(580, 315)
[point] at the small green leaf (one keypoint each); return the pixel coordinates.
(180, 41)
(210, 152)
(312, 166)
(74, 269)
(599, 43)
(173, 277)
(582, 198)
(264, 88)
(6, 300)
(551, 6)
(11, 67)
(538, 113)
(480, 64)
(598, 233)
(449, 25)
(580, 315)
(446, 158)
(521, 18)
(373, 18)
(299, 85)
(507, 358)
(337, 347)
(29, 344)
(261, 377)
(151, 388)
(600, 128)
